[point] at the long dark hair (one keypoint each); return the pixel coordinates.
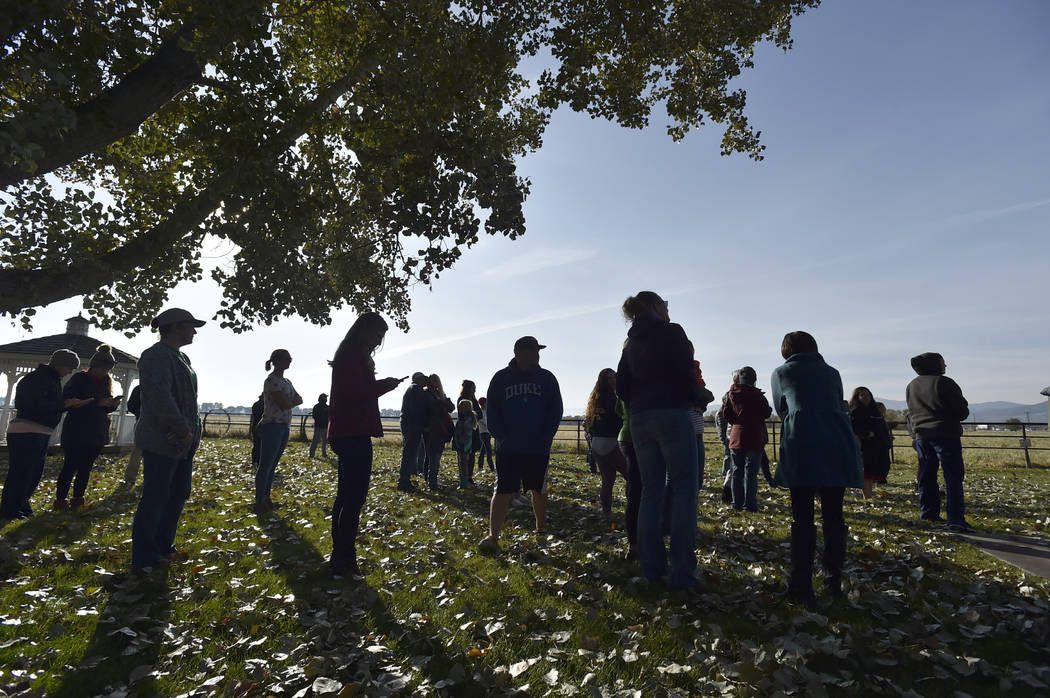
(644, 301)
(854, 399)
(352, 340)
(601, 389)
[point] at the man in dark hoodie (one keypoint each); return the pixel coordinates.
(936, 409)
(524, 411)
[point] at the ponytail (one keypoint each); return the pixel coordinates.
(269, 364)
(644, 301)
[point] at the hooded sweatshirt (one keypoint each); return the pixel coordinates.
(746, 409)
(656, 367)
(936, 406)
(524, 409)
(38, 397)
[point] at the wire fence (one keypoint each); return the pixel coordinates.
(1026, 437)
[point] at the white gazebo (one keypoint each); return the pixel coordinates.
(19, 358)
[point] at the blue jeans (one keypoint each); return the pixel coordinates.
(746, 465)
(166, 485)
(26, 455)
(665, 446)
(947, 451)
(273, 438)
(411, 437)
(701, 456)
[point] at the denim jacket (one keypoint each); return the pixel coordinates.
(169, 403)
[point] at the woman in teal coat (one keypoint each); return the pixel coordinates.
(818, 457)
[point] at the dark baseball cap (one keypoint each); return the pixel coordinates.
(174, 315)
(526, 343)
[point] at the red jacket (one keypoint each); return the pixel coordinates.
(354, 397)
(746, 409)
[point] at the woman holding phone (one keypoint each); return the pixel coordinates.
(86, 429)
(353, 421)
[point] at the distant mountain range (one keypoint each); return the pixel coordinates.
(990, 411)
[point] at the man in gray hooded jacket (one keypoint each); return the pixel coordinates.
(936, 410)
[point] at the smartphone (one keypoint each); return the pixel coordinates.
(402, 380)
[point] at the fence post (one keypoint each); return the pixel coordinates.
(1024, 444)
(893, 454)
(577, 436)
(774, 426)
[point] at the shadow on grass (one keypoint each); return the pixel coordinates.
(58, 527)
(127, 639)
(306, 573)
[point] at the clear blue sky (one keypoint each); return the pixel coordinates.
(903, 206)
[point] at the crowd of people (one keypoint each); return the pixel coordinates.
(644, 421)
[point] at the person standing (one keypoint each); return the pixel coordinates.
(39, 405)
(468, 391)
(634, 481)
(320, 415)
(747, 410)
(936, 410)
(463, 442)
(818, 458)
(131, 472)
(279, 398)
(168, 432)
(656, 380)
(253, 429)
(870, 427)
(604, 425)
(524, 411)
(353, 421)
(438, 429)
(86, 429)
(412, 422)
(485, 454)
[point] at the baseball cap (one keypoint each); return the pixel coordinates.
(528, 342)
(173, 315)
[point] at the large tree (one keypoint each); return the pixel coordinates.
(345, 149)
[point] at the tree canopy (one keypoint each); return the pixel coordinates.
(344, 149)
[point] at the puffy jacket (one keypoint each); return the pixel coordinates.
(38, 397)
(656, 367)
(936, 406)
(524, 409)
(746, 409)
(354, 397)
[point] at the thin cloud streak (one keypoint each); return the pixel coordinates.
(563, 314)
(536, 260)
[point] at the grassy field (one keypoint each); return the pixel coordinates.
(254, 612)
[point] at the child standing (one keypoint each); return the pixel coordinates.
(463, 440)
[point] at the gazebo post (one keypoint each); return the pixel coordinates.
(10, 375)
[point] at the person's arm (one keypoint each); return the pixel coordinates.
(779, 399)
(952, 398)
(624, 379)
(156, 379)
(77, 392)
(494, 402)
(276, 395)
(767, 409)
(554, 409)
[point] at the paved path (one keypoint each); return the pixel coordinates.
(1030, 554)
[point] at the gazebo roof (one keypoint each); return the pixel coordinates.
(1045, 391)
(75, 339)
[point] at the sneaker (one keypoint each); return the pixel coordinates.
(962, 527)
(177, 555)
(488, 546)
(407, 488)
(76, 502)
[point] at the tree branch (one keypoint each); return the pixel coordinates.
(116, 113)
(26, 288)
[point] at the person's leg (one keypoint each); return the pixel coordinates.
(803, 545)
(766, 472)
(270, 435)
(508, 484)
(256, 447)
(355, 472)
(834, 525)
(645, 433)
(539, 509)
(867, 487)
(752, 464)
(131, 472)
(463, 459)
(410, 442)
(486, 447)
(737, 478)
(701, 456)
(422, 453)
(80, 480)
(679, 453)
(16, 482)
(949, 452)
(70, 465)
(324, 442)
(157, 474)
(534, 480)
(929, 491)
(314, 441)
(435, 447)
(38, 455)
(607, 467)
(634, 496)
(178, 492)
